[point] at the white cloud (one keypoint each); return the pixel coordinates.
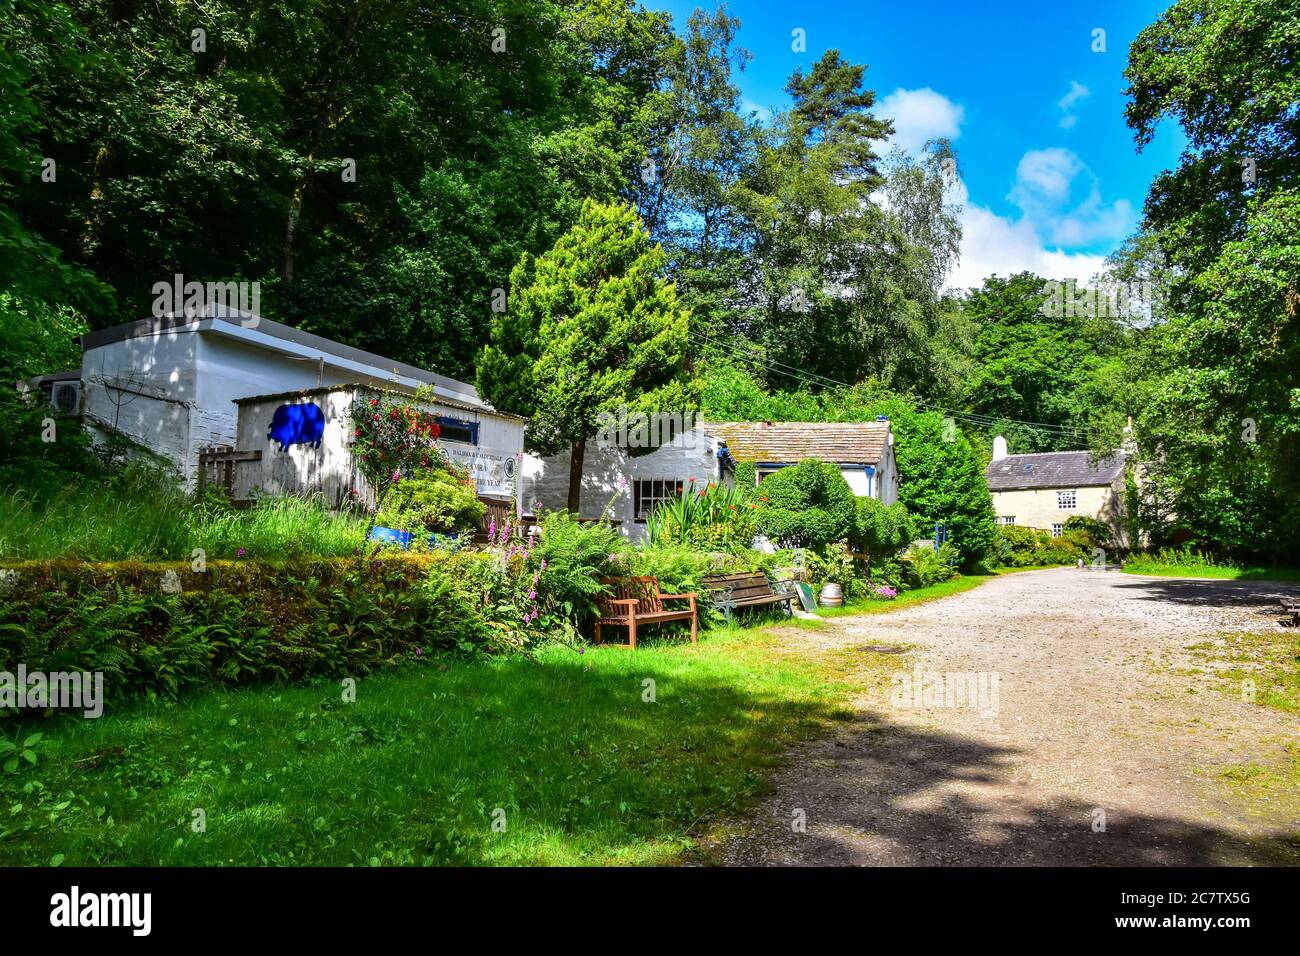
(1061, 197)
(919, 116)
(1058, 197)
(998, 245)
(1043, 177)
(1066, 103)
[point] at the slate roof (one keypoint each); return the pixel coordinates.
(856, 443)
(1054, 469)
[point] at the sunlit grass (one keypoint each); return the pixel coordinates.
(568, 753)
(1189, 563)
(875, 605)
(113, 522)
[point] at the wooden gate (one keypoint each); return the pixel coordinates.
(217, 466)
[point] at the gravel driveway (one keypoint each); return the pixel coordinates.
(1106, 745)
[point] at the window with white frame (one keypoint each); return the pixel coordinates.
(1057, 530)
(1008, 519)
(1067, 500)
(648, 492)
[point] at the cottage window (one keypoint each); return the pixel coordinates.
(453, 429)
(1057, 530)
(648, 492)
(1008, 519)
(1066, 500)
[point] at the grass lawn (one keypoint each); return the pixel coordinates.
(562, 751)
(1212, 571)
(1270, 661)
(906, 599)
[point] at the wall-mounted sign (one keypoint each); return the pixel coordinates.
(493, 471)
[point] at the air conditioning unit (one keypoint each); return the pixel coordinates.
(66, 397)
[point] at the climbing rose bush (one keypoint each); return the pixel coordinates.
(393, 437)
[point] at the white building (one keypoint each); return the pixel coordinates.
(172, 384)
(1045, 489)
(629, 481)
(298, 443)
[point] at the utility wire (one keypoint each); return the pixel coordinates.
(813, 378)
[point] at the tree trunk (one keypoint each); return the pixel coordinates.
(324, 112)
(576, 455)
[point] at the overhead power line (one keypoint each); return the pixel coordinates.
(812, 378)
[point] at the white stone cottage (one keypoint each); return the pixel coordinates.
(630, 481)
(1043, 490)
(174, 385)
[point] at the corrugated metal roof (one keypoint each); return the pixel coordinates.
(1054, 469)
(267, 332)
(858, 443)
(374, 389)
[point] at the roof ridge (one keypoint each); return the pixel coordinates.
(1070, 451)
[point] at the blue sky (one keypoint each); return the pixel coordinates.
(1049, 176)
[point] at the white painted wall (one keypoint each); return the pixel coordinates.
(178, 388)
(545, 482)
(331, 470)
(145, 388)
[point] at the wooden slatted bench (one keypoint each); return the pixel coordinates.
(731, 592)
(637, 601)
(1292, 606)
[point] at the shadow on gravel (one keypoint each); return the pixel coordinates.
(1264, 595)
(873, 805)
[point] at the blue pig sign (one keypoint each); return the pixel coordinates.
(297, 425)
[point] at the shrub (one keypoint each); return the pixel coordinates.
(438, 500)
(1185, 557)
(680, 569)
(836, 565)
(237, 623)
(574, 556)
(924, 566)
(392, 435)
(1017, 547)
(1088, 532)
(808, 505)
(882, 530)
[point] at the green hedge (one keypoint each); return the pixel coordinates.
(237, 623)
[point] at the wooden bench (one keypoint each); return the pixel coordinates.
(731, 592)
(1292, 606)
(637, 601)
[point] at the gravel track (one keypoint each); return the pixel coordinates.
(1098, 711)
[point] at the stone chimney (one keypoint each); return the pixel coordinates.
(999, 448)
